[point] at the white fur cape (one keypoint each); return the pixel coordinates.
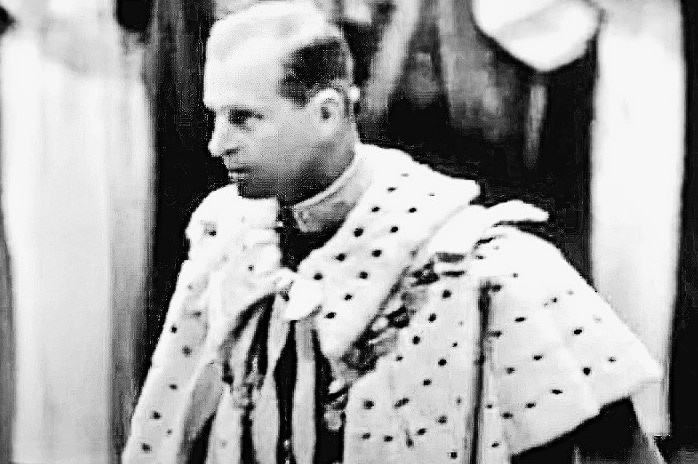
(554, 353)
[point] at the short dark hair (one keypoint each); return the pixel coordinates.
(324, 63)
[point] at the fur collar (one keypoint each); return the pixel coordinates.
(344, 283)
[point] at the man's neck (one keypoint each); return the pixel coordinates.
(333, 162)
(327, 209)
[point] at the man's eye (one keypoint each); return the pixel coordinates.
(240, 118)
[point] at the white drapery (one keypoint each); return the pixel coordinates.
(637, 173)
(76, 169)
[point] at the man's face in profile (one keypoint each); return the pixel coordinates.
(267, 142)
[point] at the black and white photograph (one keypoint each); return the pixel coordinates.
(348, 231)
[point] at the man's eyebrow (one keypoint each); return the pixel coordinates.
(242, 111)
(230, 109)
(239, 109)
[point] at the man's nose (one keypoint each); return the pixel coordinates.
(223, 140)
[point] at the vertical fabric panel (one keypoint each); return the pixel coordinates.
(7, 349)
(57, 232)
(637, 173)
(185, 170)
(76, 162)
(7, 325)
(684, 365)
(129, 166)
(560, 182)
(483, 86)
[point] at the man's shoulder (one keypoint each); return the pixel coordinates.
(475, 224)
(399, 179)
(391, 159)
(224, 216)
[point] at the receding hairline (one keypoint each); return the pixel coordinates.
(281, 27)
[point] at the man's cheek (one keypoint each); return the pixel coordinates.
(269, 133)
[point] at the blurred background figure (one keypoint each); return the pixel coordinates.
(576, 106)
(76, 168)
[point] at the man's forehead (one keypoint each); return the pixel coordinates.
(245, 51)
(249, 76)
(286, 26)
(234, 81)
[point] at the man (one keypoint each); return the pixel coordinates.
(342, 303)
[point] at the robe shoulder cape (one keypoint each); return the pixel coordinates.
(452, 335)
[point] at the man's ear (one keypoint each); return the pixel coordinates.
(329, 110)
